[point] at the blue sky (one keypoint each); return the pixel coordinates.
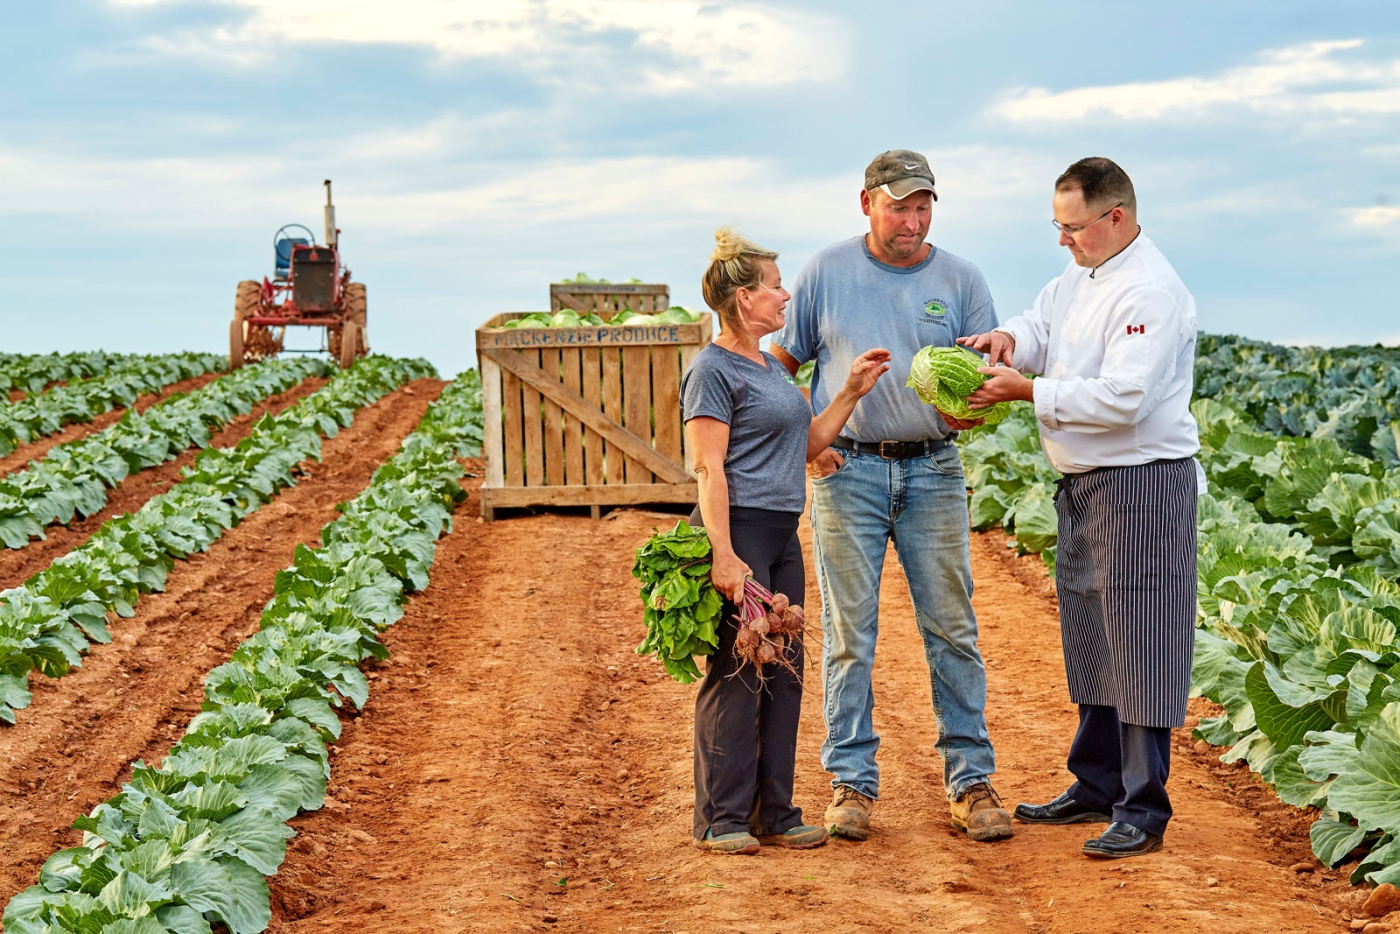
(480, 150)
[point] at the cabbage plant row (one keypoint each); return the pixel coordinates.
(46, 624)
(39, 415)
(1350, 395)
(1299, 552)
(32, 372)
(188, 844)
(73, 478)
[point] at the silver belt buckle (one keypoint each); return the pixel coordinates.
(888, 457)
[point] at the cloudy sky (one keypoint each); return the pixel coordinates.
(150, 148)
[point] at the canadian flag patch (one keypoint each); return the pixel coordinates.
(1137, 329)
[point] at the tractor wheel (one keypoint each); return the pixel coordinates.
(235, 344)
(350, 343)
(357, 310)
(356, 306)
(245, 303)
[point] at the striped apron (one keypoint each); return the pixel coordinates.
(1125, 573)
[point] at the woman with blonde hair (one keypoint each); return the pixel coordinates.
(752, 432)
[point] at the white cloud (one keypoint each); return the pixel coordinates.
(382, 186)
(1379, 216)
(1380, 222)
(708, 44)
(1312, 79)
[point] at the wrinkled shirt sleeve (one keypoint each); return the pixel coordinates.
(1031, 332)
(1140, 353)
(983, 316)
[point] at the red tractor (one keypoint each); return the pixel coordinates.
(309, 288)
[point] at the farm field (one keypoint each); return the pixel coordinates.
(510, 764)
(513, 728)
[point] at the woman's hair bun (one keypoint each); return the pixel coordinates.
(729, 245)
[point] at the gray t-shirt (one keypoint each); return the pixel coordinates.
(768, 418)
(846, 302)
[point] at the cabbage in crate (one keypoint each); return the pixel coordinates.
(945, 376)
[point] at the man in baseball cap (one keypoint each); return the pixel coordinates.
(893, 474)
(899, 173)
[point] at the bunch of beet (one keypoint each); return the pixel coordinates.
(767, 621)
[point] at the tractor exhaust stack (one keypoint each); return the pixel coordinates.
(330, 217)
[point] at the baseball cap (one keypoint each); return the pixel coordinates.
(900, 172)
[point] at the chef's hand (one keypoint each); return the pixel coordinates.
(1003, 385)
(997, 345)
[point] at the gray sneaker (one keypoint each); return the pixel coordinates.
(738, 843)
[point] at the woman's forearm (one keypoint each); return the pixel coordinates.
(827, 425)
(714, 509)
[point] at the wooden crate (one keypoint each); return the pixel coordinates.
(585, 416)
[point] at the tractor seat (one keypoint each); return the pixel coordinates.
(283, 264)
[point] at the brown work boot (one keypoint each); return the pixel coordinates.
(979, 812)
(849, 814)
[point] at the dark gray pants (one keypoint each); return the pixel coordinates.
(746, 732)
(1122, 768)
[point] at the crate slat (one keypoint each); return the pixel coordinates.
(553, 424)
(533, 405)
(612, 407)
(592, 361)
(514, 428)
(572, 374)
(666, 396)
(636, 405)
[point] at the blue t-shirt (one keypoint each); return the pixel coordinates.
(768, 418)
(846, 302)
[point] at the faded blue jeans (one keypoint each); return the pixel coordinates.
(920, 503)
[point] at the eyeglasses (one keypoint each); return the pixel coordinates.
(1067, 229)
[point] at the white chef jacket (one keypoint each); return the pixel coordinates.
(1116, 347)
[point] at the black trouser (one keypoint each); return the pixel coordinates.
(746, 730)
(1122, 768)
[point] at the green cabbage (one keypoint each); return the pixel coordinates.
(945, 376)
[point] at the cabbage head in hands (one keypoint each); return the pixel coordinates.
(945, 376)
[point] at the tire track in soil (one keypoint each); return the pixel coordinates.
(35, 450)
(133, 697)
(131, 494)
(514, 728)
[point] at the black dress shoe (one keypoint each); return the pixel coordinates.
(1121, 840)
(1063, 810)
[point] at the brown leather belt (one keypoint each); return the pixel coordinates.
(893, 450)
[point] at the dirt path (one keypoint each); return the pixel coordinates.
(37, 449)
(72, 748)
(519, 768)
(132, 493)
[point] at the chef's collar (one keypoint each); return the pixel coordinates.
(1108, 266)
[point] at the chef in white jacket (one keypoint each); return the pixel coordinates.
(1114, 339)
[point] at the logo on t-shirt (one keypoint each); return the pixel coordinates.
(935, 312)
